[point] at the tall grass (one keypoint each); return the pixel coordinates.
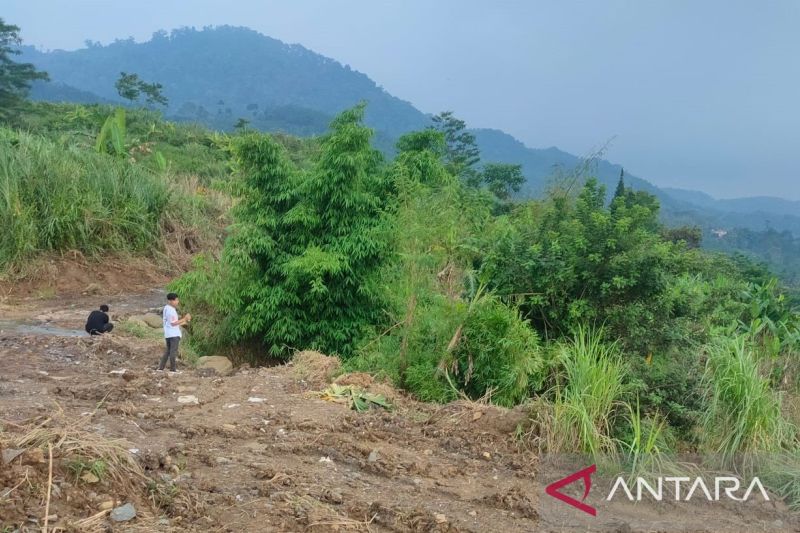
(743, 414)
(55, 198)
(586, 406)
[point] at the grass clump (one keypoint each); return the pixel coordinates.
(588, 402)
(743, 413)
(57, 199)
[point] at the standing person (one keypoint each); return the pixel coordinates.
(172, 332)
(98, 322)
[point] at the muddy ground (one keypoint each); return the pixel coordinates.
(261, 450)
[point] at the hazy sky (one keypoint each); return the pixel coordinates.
(697, 94)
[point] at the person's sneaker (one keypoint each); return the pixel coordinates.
(174, 372)
(158, 370)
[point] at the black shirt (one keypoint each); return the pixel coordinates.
(96, 321)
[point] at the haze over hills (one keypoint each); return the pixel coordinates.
(217, 75)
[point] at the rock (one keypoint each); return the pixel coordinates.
(88, 477)
(228, 427)
(152, 320)
(221, 365)
(137, 322)
(473, 514)
(487, 455)
(123, 513)
(440, 518)
(9, 454)
(373, 456)
(253, 399)
(190, 399)
(106, 505)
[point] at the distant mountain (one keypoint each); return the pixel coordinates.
(753, 204)
(217, 75)
(227, 73)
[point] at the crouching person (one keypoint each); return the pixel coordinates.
(98, 322)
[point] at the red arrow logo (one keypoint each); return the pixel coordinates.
(586, 475)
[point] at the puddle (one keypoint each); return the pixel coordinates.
(41, 328)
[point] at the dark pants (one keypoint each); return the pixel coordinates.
(171, 353)
(106, 329)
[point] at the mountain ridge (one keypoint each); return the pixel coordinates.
(242, 73)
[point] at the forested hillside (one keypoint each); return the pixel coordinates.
(246, 79)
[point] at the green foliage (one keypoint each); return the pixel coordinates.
(568, 262)
(15, 78)
(300, 268)
(743, 414)
(503, 179)
(80, 465)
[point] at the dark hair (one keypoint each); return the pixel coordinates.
(104, 308)
(172, 296)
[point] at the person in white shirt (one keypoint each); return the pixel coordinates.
(172, 332)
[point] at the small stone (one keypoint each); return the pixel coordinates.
(88, 477)
(254, 399)
(373, 456)
(123, 513)
(473, 514)
(440, 518)
(228, 427)
(9, 454)
(223, 460)
(189, 399)
(106, 505)
(487, 455)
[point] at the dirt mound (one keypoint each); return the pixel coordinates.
(316, 369)
(74, 275)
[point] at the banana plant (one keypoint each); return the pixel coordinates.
(111, 139)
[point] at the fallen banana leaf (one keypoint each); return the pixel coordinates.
(358, 400)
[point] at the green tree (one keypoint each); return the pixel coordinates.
(153, 93)
(503, 179)
(128, 86)
(461, 153)
(131, 88)
(620, 192)
(300, 269)
(15, 78)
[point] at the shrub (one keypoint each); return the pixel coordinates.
(497, 354)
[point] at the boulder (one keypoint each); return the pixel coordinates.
(222, 366)
(152, 320)
(137, 321)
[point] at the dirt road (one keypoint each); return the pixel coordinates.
(259, 450)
